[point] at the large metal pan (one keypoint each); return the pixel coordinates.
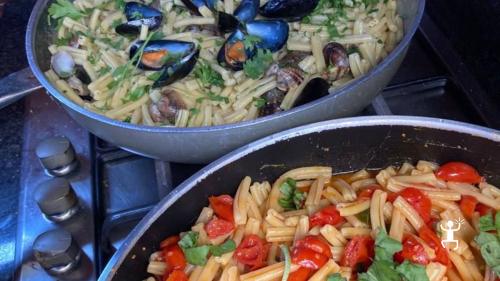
(198, 145)
(344, 144)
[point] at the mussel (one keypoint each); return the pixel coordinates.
(174, 58)
(247, 10)
(273, 34)
(290, 10)
(226, 23)
(336, 60)
(316, 88)
(138, 14)
(233, 54)
(195, 5)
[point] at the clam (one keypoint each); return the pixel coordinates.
(316, 88)
(291, 10)
(289, 77)
(138, 14)
(273, 100)
(63, 64)
(167, 107)
(336, 60)
(175, 59)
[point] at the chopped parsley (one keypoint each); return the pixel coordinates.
(136, 93)
(255, 67)
(157, 35)
(120, 4)
(291, 198)
(94, 58)
(194, 111)
(489, 243)
(64, 8)
(259, 102)
(104, 71)
(64, 41)
(250, 41)
(207, 76)
(155, 76)
(213, 97)
(127, 119)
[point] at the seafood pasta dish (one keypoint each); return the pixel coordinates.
(424, 222)
(190, 63)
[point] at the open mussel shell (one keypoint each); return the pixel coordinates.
(138, 14)
(158, 54)
(247, 10)
(233, 53)
(226, 23)
(316, 88)
(194, 5)
(290, 10)
(178, 70)
(272, 33)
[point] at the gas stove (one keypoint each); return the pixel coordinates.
(82, 202)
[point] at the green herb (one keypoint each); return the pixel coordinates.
(353, 49)
(386, 247)
(155, 76)
(207, 76)
(489, 243)
(332, 30)
(93, 58)
(64, 8)
(364, 216)
(255, 67)
(213, 97)
(136, 16)
(136, 94)
(197, 255)
(259, 102)
(372, 10)
(291, 198)
(103, 71)
(369, 3)
(157, 35)
(120, 4)
(226, 247)
(64, 41)
(411, 271)
(128, 119)
(380, 41)
(486, 223)
(189, 240)
(194, 111)
(288, 262)
(114, 44)
(250, 41)
(380, 271)
(335, 277)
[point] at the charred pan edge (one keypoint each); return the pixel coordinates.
(369, 121)
(35, 19)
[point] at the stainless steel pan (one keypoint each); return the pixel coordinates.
(199, 145)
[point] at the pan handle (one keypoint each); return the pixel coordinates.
(16, 85)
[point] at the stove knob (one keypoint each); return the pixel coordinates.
(57, 252)
(57, 156)
(57, 199)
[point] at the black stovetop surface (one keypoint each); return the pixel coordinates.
(451, 71)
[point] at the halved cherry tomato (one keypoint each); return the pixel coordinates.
(433, 241)
(308, 258)
(459, 172)
(301, 274)
(412, 251)
(174, 258)
(176, 275)
(313, 242)
(223, 206)
(169, 241)
(327, 215)
(367, 191)
(252, 251)
(218, 227)
(417, 199)
(483, 209)
(468, 205)
(358, 253)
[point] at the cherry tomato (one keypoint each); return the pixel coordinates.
(327, 215)
(483, 209)
(301, 274)
(308, 258)
(169, 241)
(358, 253)
(218, 227)
(433, 241)
(417, 199)
(313, 242)
(223, 206)
(412, 251)
(459, 172)
(176, 275)
(251, 251)
(174, 258)
(468, 205)
(367, 191)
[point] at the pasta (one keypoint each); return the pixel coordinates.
(290, 227)
(106, 47)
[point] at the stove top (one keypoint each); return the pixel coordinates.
(115, 189)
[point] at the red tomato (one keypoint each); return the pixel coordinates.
(483, 209)
(417, 199)
(367, 191)
(433, 241)
(301, 274)
(313, 242)
(308, 258)
(169, 241)
(174, 258)
(468, 205)
(358, 253)
(251, 251)
(412, 251)
(327, 215)
(223, 206)
(218, 227)
(459, 172)
(176, 275)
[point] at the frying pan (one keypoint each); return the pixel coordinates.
(344, 144)
(202, 144)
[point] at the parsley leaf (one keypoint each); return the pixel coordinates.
(194, 111)
(226, 247)
(259, 102)
(250, 41)
(137, 93)
(127, 119)
(104, 70)
(207, 76)
(64, 8)
(64, 41)
(155, 76)
(120, 4)
(255, 67)
(335, 277)
(291, 198)
(380, 271)
(157, 35)
(386, 247)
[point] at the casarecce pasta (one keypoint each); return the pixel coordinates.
(390, 224)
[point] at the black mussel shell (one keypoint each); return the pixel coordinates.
(247, 10)
(177, 70)
(290, 10)
(316, 88)
(138, 14)
(193, 5)
(337, 59)
(272, 33)
(273, 100)
(226, 56)
(226, 23)
(158, 54)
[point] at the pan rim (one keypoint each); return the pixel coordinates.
(39, 74)
(351, 122)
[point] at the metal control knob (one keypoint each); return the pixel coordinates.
(57, 199)
(57, 252)
(57, 156)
